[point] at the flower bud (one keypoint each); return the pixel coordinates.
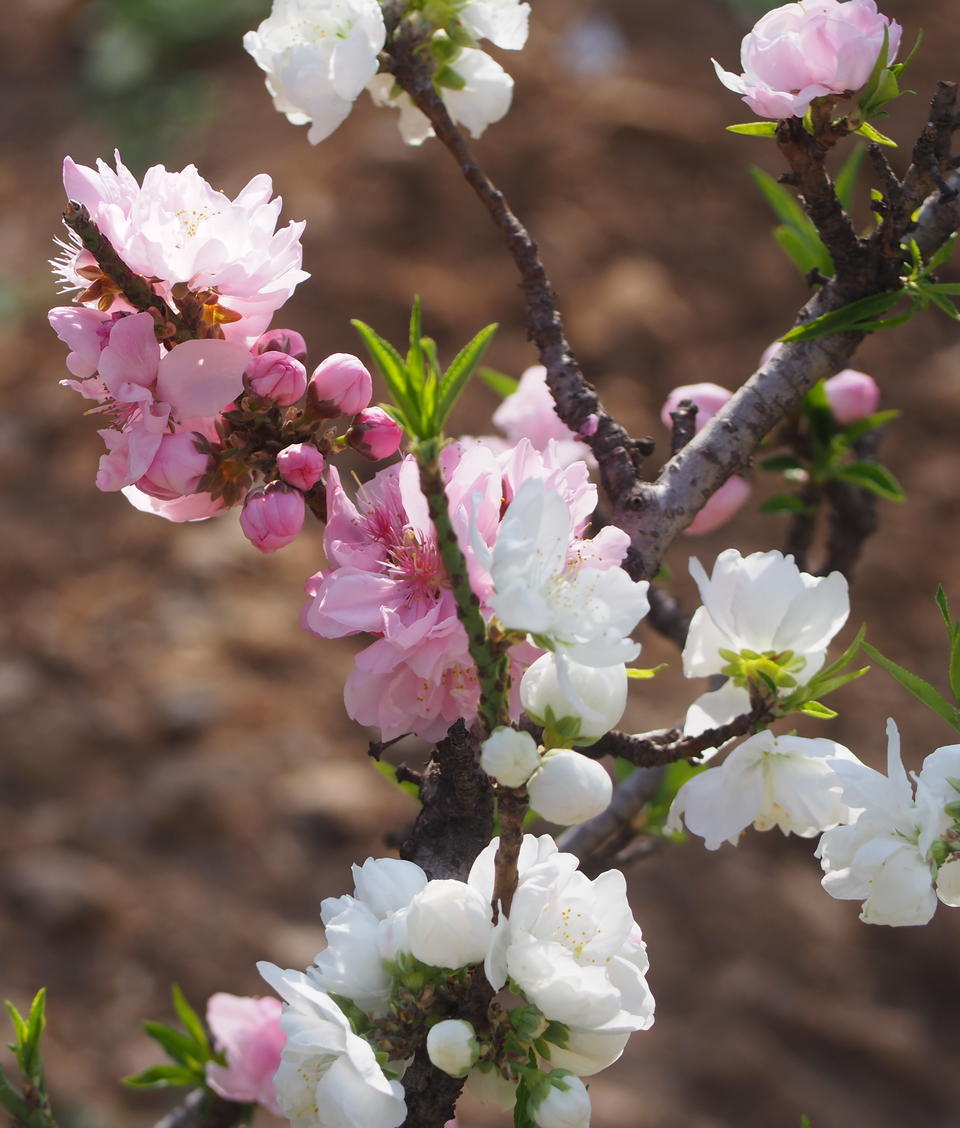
(595, 695)
(948, 882)
(452, 1046)
(374, 434)
(449, 924)
(275, 376)
(565, 1104)
(340, 385)
(300, 465)
(272, 517)
(853, 395)
(568, 788)
(509, 756)
(720, 507)
(176, 469)
(386, 885)
(282, 340)
(709, 398)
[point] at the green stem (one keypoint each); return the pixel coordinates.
(489, 657)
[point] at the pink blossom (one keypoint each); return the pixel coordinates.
(287, 341)
(720, 507)
(177, 228)
(300, 465)
(272, 517)
(85, 332)
(853, 395)
(248, 1032)
(177, 467)
(375, 434)
(530, 413)
(809, 49)
(340, 385)
(275, 376)
(709, 398)
(193, 507)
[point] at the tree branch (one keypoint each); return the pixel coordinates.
(203, 1109)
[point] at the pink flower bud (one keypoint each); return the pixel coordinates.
(276, 376)
(374, 434)
(590, 425)
(300, 465)
(176, 469)
(282, 340)
(340, 385)
(272, 517)
(801, 51)
(709, 398)
(721, 507)
(248, 1032)
(853, 395)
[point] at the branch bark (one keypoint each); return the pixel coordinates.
(203, 1109)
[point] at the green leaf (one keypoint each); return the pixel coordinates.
(845, 658)
(784, 503)
(179, 1046)
(390, 772)
(449, 79)
(804, 252)
(822, 686)
(817, 709)
(645, 674)
(11, 1099)
(941, 255)
(913, 683)
(942, 603)
(951, 288)
(954, 667)
(855, 316)
(872, 134)
(871, 476)
(500, 382)
(777, 463)
(755, 129)
(845, 183)
(804, 1121)
(455, 378)
(162, 1077)
(870, 87)
(781, 200)
(942, 303)
(190, 1019)
(392, 368)
(853, 431)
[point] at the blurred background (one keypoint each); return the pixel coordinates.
(179, 784)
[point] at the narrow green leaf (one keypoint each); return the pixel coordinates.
(163, 1077)
(456, 376)
(954, 667)
(817, 709)
(415, 367)
(777, 463)
(805, 252)
(189, 1018)
(824, 686)
(500, 382)
(951, 288)
(899, 68)
(913, 683)
(784, 503)
(873, 134)
(755, 129)
(390, 364)
(642, 674)
(179, 1046)
(845, 658)
(944, 304)
(870, 87)
(941, 255)
(853, 431)
(11, 1099)
(943, 604)
(845, 183)
(854, 316)
(871, 476)
(19, 1024)
(781, 200)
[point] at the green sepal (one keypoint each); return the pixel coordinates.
(874, 135)
(645, 674)
(817, 709)
(448, 79)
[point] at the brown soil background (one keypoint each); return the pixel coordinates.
(179, 785)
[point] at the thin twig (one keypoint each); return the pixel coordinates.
(203, 1109)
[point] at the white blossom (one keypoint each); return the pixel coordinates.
(448, 924)
(509, 756)
(565, 1104)
(570, 945)
(763, 603)
(595, 695)
(484, 98)
(586, 1052)
(783, 781)
(568, 788)
(452, 1046)
(318, 55)
(328, 1076)
(886, 858)
(503, 22)
(544, 587)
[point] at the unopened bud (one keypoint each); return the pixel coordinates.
(340, 385)
(565, 1104)
(375, 434)
(176, 469)
(720, 506)
(709, 398)
(568, 788)
(300, 465)
(272, 517)
(282, 340)
(509, 756)
(276, 376)
(452, 1046)
(853, 395)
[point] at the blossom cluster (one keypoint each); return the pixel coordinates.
(402, 950)
(320, 55)
(167, 337)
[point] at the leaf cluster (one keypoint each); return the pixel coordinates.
(188, 1049)
(423, 393)
(29, 1104)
